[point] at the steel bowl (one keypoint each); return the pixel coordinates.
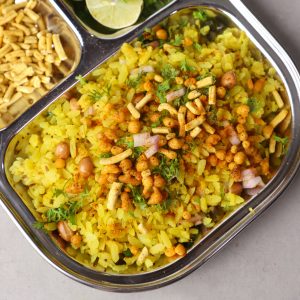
(93, 50)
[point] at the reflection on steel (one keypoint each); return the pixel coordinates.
(94, 51)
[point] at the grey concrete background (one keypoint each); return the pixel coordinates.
(263, 262)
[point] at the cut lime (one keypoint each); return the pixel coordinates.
(115, 14)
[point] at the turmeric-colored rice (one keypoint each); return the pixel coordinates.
(243, 128)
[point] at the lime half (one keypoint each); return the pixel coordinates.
(115, 14)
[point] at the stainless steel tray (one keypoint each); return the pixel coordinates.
(94, 51)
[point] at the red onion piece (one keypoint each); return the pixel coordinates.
(153, 140)
(142, 69)
(175, 94)
(196, 219)
(234, 139)
(247, 174)
(141, 139)
(151, 151)
(252, 183)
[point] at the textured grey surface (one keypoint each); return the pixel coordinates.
(263, 262)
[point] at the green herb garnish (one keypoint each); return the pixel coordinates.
(197, 46)
(81, 79)
(125, 141)
(135, 81)
(138, 199)
(65, 212)
(161, 91)
(284, 141)
(97, 95)
(127, 253)
(39, 225)
(168, 72)
(177, 40)
(185, 67)
(167, 169)
(200, 15)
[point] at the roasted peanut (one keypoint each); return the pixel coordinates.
(62, 150)
(115, 150)
(156, 197)
(236, 188)
(180, 250)
(64, 231)
(142, 165)
(159, 181)
(126, 165)
(169, 122)
(60, 163)
(76, 241)
(86, 167)
(175, 143)
(221, 92)
(134, 126)
(228, 80)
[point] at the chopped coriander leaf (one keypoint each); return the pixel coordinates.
(38, 225)
(137, 152)
(284, 141)
(138, 199)
(81, 79)
(156, 124)
(212, 114)
(161, 91)
(253, 104)
(50, 114)
(125, 141)
(197, 46)
(165, 206)
(97, 95)
(105, 155)
(65, 212)
(177, 40)
(200, 15)
(168, 72)
(127, 253)
(134, 81)
(58, 192)
(167, 169)
(185, 67)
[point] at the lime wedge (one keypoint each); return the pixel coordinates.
(115, 14)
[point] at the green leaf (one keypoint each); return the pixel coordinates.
(177, 40)
(284, 141)
(134, 81)
(185, 67)
(39, 225)
(161, 91)
(253, 104)
(58, 192)
(200, 15)
(65, 212)
(168, 72)
(138, 199)
(198, 47)
(167, 169)
(125, 141)
(81, 80)
(137, 152)
(127, 253)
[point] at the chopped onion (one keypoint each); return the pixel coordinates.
(151, 151)
(153, 140)
(254, 191)
(175, 94)
(140, 139)
(91, 111)
(252, 183)
(142, 69)
(234, 139)
(247, 174)
(196, 219)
